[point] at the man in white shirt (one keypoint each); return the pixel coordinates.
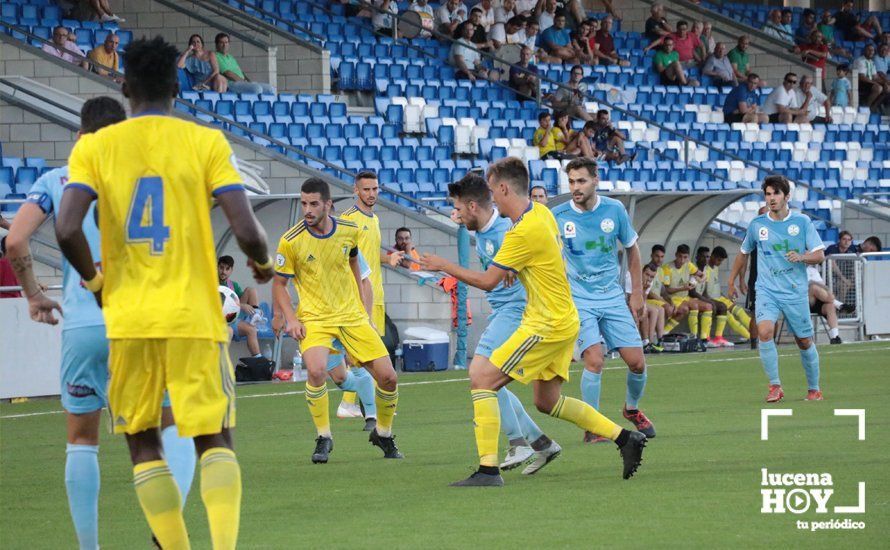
(383, 19)
(871, 89)
(465, 58)
(719, 68)
(818, 106)
(423, 7)
(449, 15)
(487, 14)
(782, 104)
(545, 12)
(511, 32)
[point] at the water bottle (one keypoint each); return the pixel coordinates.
(297, 366)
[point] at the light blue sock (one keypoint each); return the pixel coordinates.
(181, 459)
(509, 422)
(810, 359)
(636, 383)
(364, 388)
(527, 426)
(769, 356)
(82, 484)
(590, 388)
(349, 384)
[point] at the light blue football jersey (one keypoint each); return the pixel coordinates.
(590, 247)
(488, 242)
(773, 239)
(78, 304)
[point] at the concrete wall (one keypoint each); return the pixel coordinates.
(24, 134)
(863, 225)
(286, 63)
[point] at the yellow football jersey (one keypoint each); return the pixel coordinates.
(369, 243)
(532, 248)
(319, 266)
(154, 177)
(673, 277)
(712, 281)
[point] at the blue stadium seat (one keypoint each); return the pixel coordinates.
(25, 178)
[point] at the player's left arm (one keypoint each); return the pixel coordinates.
(25, 224)
(76, 202)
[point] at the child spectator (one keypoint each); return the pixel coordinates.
(549, 140)
(840, 90)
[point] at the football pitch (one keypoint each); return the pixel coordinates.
(699, 485)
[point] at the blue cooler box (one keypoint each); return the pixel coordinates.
(424, 356)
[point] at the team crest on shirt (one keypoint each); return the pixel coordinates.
(793, 230)
(569, 230)
(489, 247)
(607, 225)
(279, 260)
(763, 234)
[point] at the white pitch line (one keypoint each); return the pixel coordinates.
(573, 371)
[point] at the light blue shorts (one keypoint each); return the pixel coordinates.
(84, 369)
(795, 311)
(502, 323)
(336, 359)
(611, 324)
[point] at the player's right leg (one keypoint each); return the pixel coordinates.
(797, 317)
(135, 391)
(84, 377)
(767, 314)
(246, 330)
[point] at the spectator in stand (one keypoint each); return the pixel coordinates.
(773, 26)
(8, 278)
(818, 106)
(510, 32)
(524, 76)
(426, 11)
(488, 18)
(245, 325)
(870, 86)
(384, 16)
(449, 15)
(545, 13)
(236, 81)
(409, 255)
(64, 49)
(582, 143)
(603, 45)
(526, 8)
(704, 32)
(815, 51)
(718, 67)
(826, 27)
(688, 46)
(581, 42)
(557, 41)
(505, 12)
(743, 102)
(844, 245)
(851, 26)
(871, 244)
(538, 194)
(666, 63)
(103, 12)
(610, 141)
(657, 26)
(479, 38)
(106, 56)
(466, 59)
(354, 8)
(804, 33)
(532, 30)
(201, 66)
(570, 97)
(549, 139)
(882, 62)
(563, 123)
(840, 90)
(822, 302)
(738, 58)
(782, 104)
(786, 28)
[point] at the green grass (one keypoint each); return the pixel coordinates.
(699, 484)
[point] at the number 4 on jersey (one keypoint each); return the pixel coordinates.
(145, 222)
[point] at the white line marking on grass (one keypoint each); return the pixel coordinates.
(574, 371)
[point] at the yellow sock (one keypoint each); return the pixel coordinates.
(670, 325)
(741, 315)
(585, 416)
(349, 397)
(317, 399)
(692, 319)
(487, 422)
(221, 493)
(161, 503)
(706, 318)
(739, 328)
(720, 326)
(386, 409)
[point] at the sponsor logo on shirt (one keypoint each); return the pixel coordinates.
(569, 230)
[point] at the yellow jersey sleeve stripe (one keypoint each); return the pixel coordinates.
(346, 222)
(226, 188)
(82, 186)
(285, 275)
(292, 234)
(504, 267)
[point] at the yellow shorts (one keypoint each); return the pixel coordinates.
(361, 342)
(378, 315)
(725, 301)
(656, 303)
(197, 374)
(679, 300)
(526, 356)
